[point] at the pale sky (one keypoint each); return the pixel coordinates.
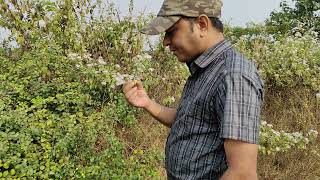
(234, 12)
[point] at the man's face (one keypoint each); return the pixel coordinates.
(182, 41)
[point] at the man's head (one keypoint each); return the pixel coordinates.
(190, 26)
(172, 10)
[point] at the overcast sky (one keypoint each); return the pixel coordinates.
(234, 12)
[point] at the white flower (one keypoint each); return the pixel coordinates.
(119, 81)
(101, 61)
(117, 66)
(33, 11)
(297, 134)
(41, 23)
(90, 65)
(313, 132)
(121, 78)
(87, 56)
(104, 83)
(77, 66)
(122, 42)
(147, 56)
(105, 72)
(278, 149)
(264, 123)
(270, 125)
(318, 96)
(74, 56)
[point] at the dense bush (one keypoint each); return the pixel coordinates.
(62, 111)
(58, 119)
(285, 62)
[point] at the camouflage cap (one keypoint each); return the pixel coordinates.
(172, 10)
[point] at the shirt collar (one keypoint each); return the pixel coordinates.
(209, 56)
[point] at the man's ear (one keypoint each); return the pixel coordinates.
(203, 23)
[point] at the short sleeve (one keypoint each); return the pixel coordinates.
(238, 104)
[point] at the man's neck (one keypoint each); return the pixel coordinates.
(213, 40)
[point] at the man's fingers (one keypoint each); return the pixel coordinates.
(128, 86)
(135, 93)
(130, 92)
(139, 85)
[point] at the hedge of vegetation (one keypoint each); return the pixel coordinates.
(62, 111)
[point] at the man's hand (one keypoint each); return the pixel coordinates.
(242, 160)
(135, 94)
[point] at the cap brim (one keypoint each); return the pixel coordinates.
(160, 24)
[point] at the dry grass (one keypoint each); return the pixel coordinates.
(292, 110)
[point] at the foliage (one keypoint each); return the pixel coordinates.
(234, 33)
(57, 120)
(62, 110)
(60, 101)
(285, 62)
(272, 141)
(288, 19)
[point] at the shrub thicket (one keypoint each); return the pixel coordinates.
(63, 115)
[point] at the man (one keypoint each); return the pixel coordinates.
(214, 130)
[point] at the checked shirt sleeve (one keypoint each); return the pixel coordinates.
(238, 104)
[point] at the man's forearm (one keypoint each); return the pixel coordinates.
(239, 175)
(164, 115)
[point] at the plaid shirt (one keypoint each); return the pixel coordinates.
(221, 99)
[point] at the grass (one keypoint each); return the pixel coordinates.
(291, 110)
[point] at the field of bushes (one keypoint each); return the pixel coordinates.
(63, 114)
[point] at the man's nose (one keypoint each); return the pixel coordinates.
(166, 41)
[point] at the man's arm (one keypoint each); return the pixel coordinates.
(164, 115)
(242, 160)
(137, 96)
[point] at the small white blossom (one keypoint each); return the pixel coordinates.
(270, 125)
(313, 132)
(148, 57)
(101, 61)
(119, 81)
(298, 34)
(105, 72)
(87, 56)
(90, 65)
(41, 23)
(264, 123)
